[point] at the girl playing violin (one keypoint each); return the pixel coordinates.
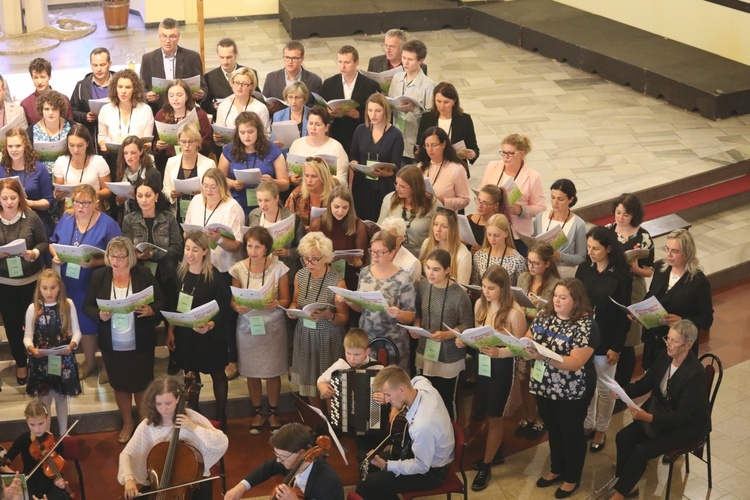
(28, 446)
(52, 322)
(314, 479)
(159, 420)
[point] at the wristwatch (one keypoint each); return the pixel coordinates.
(220, 240)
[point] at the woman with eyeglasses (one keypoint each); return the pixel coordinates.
(513, 151)
(498, 248)
(126, 114)
(244, 83)
(496, 307)
(317, 143)
(261, 334)
(186, 165)
(398, 290)
(20, 160)
(375, 141)
(573, 251)
(490, 200)
(447, 114)
(346, 231)
(178, 104)
(82, 166)
(681, 287)
(414, 204)
(296, 95)
(83, 224)
(439, 162)
(677, 414)
(250, 148)
(445, 235)
(314, 191)
(215, 204)
(440, 304)
(563, 389)
(629, 214)
(126, 340)
(134, 164)
(537, 283)
(319, 341)
(605, 276)
(18, 272)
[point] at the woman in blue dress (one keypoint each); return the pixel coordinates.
(83, 224)
(250, 148)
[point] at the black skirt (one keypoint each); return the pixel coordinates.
(129, 371)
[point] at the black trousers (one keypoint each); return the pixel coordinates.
(635, 449)
(446, 387)
(625, 366)
(13, 304)
(384, 485)
(567, 443)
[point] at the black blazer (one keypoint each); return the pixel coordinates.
(462, 129)
(218, 88)
(378, 64)
(688, 298)
(342, 129)
(187, 64)
(690, 411)
(323, 484)
(101, 288)
(276, 83)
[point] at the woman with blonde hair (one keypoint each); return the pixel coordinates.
(296, 95)
(314, 191)
(375, 141)
(414, 204)
(445, 235)
(498, 248)
(243, 83)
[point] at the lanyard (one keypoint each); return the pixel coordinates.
(231, 107)
(83, 234)
(205, 221)
(503, 172)
(46, 130)
(70, 159)
(182, 288)
(442, 308)
(563, 226)
(502, 258)
(114, 290)
(130, 119)
(263, 279)
(440, 169)
(320, 288)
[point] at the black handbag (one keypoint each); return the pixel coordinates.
(653, 405)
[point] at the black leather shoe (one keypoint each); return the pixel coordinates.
(498, 459)
(597, 447)
(482, 479)
(22, 380)
(543, 483)
(560, 493)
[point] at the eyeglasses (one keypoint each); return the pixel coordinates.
(292, 59)
(283, 459)
(117, 257)
(509, 154)
(210, 187)
(314, 159)
(378, 253)
(673, 343)
(244, 85)
(446, 212)
(481, 203)
(671, 251)
(84, 204)
(292, 97)
(389, 47)
(531, 263)
(310, 261)
(190, 142)
(432, 146)
(171, 38)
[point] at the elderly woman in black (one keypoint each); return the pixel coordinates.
(682, 289)
(676, 415)
(126, 340)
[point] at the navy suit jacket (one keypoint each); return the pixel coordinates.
(187, 64)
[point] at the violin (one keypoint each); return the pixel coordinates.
(323, 444)
(174, 463)
(42, 449)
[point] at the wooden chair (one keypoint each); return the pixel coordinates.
(713, 368)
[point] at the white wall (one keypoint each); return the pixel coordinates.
(698, 23)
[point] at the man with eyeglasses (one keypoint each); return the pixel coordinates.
(217, 80)
(394, 40)
(277, 81)
(170, 61)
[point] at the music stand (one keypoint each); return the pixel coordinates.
(316, 420)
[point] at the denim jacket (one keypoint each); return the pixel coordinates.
(166, 232)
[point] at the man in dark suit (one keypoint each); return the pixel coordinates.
(170, 61)
(392, 44)
(217, 79)
(277, 81)
(348, 84)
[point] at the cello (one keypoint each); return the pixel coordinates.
(172, 462)
(323, 444)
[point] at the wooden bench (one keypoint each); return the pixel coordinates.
(665, 225)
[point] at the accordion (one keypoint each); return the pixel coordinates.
(352, 407)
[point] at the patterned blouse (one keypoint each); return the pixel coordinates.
(641, 239)
(561, 337)
(398, 291)
(515, 265)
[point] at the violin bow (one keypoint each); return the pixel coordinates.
(45, 457)
(154, 492)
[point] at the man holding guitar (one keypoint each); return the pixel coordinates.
(430, 437)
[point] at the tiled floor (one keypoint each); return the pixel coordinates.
(604, 137)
